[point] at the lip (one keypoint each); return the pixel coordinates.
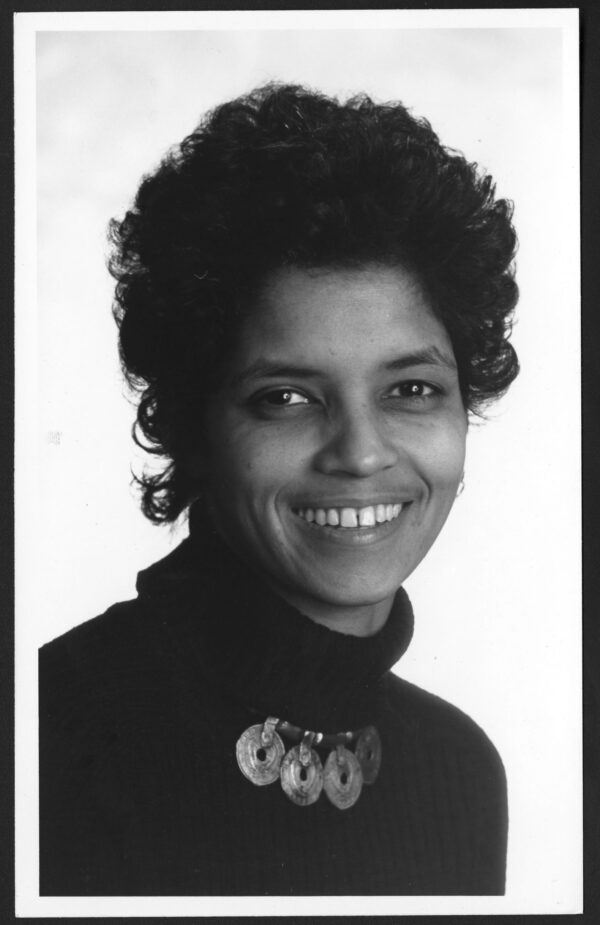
(351, 537)
(354, 502)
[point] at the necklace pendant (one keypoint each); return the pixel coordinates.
(342, 778)
(368, 753)
(259, 751)
(302, 773)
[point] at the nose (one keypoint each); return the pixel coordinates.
(356, 445)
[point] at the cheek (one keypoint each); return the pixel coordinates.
(252, 461)
(450, 457)
(442, 456)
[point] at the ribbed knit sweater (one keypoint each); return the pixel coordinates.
(140, 791)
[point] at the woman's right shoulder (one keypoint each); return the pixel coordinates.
(95, 657)
(107, 633)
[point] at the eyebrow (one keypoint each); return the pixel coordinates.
(429, 356)
(263, 368)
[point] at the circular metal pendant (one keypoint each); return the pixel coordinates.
(258, 762)
(343, 778)
(368, 752)
(302, 782)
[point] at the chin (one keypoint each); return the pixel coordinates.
(352, 594)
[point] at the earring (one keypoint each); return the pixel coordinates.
(461, 486)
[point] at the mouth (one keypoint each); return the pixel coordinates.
(350, 518)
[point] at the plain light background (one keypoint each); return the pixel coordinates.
(497, 600)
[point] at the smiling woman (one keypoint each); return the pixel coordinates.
(328, 471)
(312, 296)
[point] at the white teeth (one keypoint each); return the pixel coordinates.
(349, 517)
(366, 517)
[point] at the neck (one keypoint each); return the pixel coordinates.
(264, 651)
(353, 620)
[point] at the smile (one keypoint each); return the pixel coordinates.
(350, 517)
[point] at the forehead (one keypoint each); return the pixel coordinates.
(349, 313)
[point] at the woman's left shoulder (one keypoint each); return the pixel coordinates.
(434, 720)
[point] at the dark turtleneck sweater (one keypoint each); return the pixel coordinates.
(140, 791)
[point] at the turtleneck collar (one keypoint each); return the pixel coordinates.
(268, 656)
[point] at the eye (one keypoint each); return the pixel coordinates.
(413, 388)
(283, 398)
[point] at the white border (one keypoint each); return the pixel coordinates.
(298, 19)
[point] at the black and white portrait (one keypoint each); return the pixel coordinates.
(297, 463)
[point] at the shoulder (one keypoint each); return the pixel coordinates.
(110, 664)
(436, 724)
(97, 646)
(452, 770)
(123, 618)
(110, 714)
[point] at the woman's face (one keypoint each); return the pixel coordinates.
(336, 445)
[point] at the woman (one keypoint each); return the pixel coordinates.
(312, 296)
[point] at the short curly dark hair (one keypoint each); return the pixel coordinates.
(287, 176)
